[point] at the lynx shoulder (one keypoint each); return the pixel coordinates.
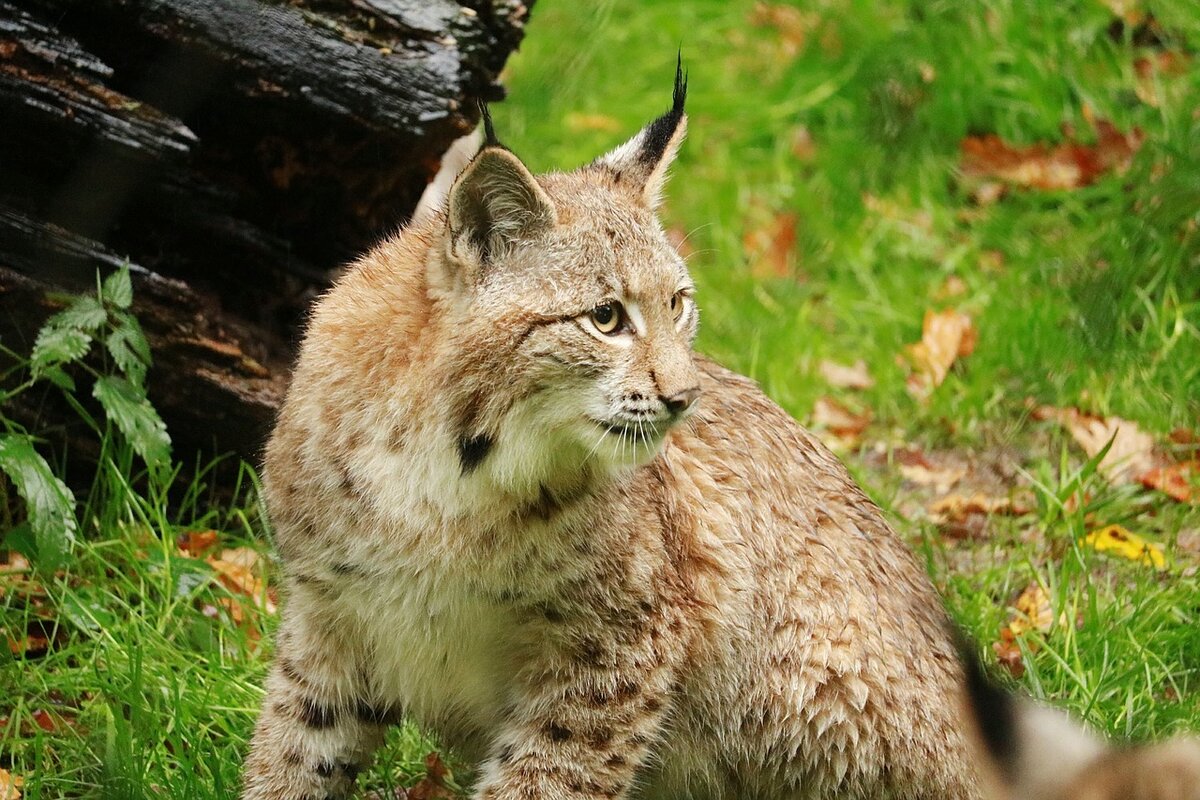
(515, 507)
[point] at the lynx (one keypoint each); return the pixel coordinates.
(1031, 752)
(515, 507)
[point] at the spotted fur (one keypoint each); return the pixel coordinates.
(595, 564)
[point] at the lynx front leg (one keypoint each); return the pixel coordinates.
(315, 732)
(587, 715)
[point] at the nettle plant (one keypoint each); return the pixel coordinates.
(99, 325)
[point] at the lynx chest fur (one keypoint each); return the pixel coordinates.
(514, 506)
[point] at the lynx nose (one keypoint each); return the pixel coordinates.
(680, 401)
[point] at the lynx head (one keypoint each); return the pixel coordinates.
(573, 314)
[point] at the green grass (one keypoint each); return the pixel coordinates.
(1087, 298)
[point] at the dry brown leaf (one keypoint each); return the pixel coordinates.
(792, 24)
(1154, 70)
(803, 147)
(956, 507)
(1008, 653)
(945, 337)
(28, 645)
(1068, 165)
(1032, 611)
(578, 122)
(844, 424)
(1188, 541)
(770, 246)
(918, 219)
(953, 286)
(1181, 481)
(942, 479)
(1185, 438)
(841, 376)
(991, 261)
(1130, 12)
(239, 570)
(36, 639)
(1131, 453)
(10, 785)
(15, 562)
(436, 784)
(196, 543)
(45, 720)
(988, 192)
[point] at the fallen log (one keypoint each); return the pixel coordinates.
(236, 152)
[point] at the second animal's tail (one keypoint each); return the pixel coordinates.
(1031, 752)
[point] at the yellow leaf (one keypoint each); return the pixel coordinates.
(1117, 540)
(1032, 611)
(10, 785)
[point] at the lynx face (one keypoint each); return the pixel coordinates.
(567, 284)
(609, 363)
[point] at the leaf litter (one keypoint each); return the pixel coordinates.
(1118, 541)
(844, 425)
(769, 243)
(841, 376)
(1130, 454)
(10, 785)
(1031, 612)
(946, 336)
(1071, 164)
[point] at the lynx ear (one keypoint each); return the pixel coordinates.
(642, 162)
(495, 203)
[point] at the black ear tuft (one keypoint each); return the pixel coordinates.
(657, 134)
(640, 164)
(489, 132)
(679, 95)
(994, 710)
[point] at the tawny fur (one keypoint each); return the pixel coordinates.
(1051, 756)
(697, 603)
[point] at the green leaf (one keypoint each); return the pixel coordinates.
(127, 407)
(85, 608)
(56, 375)
(123, 320)
(55, 346)
(22, 540)
(85, 313)
(50, 504)
(129, 349)
(118, 289)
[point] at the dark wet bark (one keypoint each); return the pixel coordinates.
(236, 152)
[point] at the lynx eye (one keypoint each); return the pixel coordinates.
(607, 317)
(677, 305)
